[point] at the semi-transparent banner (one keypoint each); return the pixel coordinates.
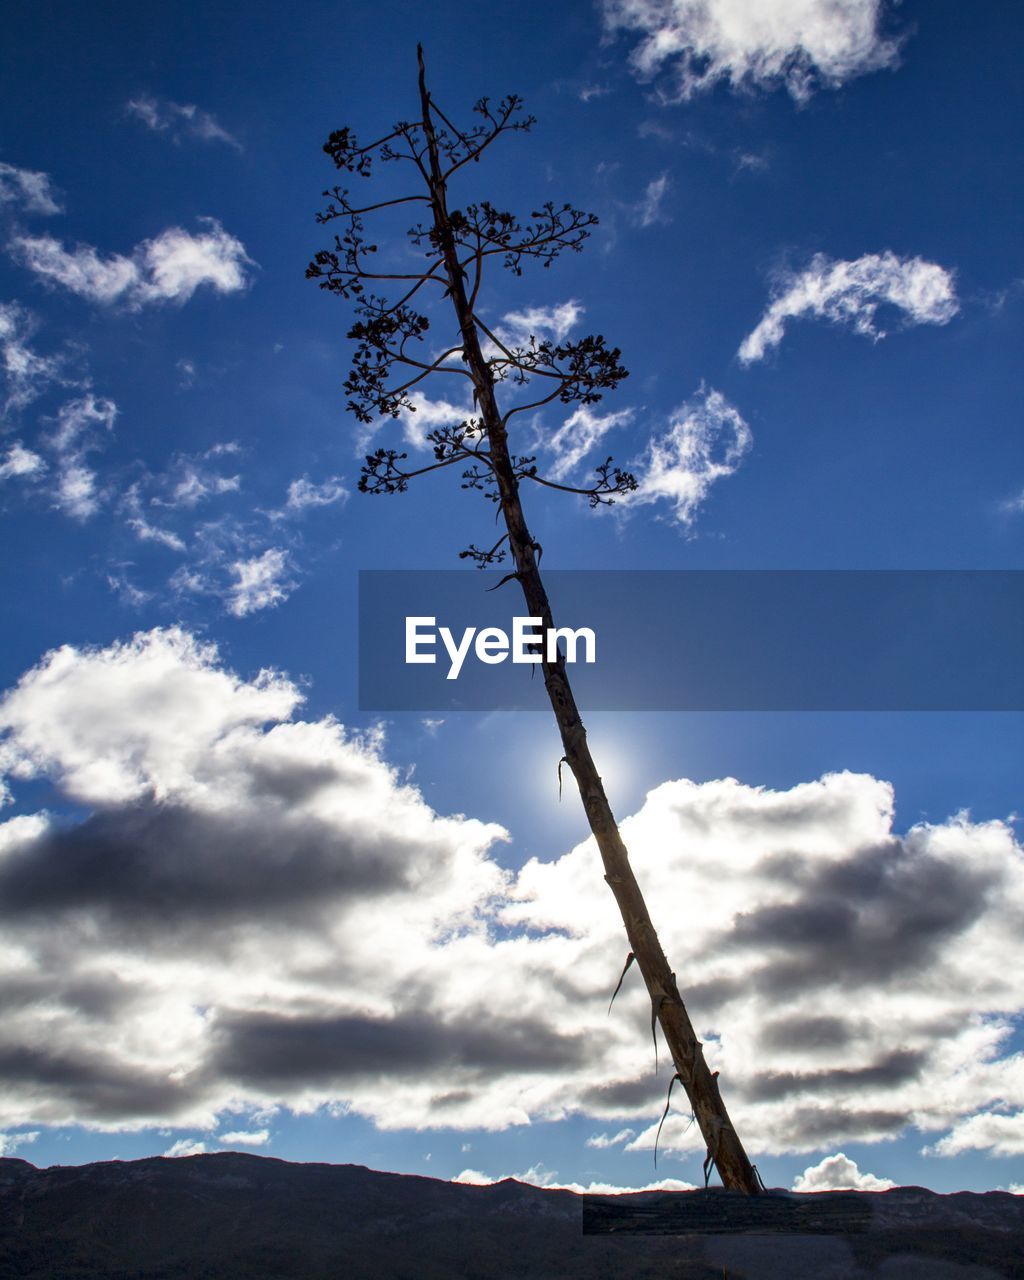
(697, 640)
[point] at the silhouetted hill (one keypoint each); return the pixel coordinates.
(230, 1216)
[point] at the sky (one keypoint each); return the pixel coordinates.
(242, 912)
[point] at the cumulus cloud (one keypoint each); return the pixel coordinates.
(797, 44)
(706, 440)
(168, 268)
(850, 293)
(28, 189)
(261, 582)
(179, 120)
(246, 909)
(839, 1173)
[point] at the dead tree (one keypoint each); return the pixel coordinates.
(392, 358)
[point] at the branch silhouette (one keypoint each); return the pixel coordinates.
(459, 246)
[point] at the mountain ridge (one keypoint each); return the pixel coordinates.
(238, 1216)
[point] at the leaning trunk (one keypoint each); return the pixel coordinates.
(723, 1144)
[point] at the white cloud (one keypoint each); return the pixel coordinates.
(994, 1131)
(186, 1147)
(179, 120)
(195, 483)
(248, 909)
(601, 1141)
(1015, 504)
(168, 268)
(839, 1173)
(581, 432)
(29, 189)
(426, 415)
(650, 209)
(81, 270)
(850, 293)
(797, 44)
(245, 1138)
(706, 440)
(82, 427)
(76, 494)
(305, 493)
(141, 526)
(10, 1142)
(261, 582)
(20, 461)
(118, 724)
(555, 322)
(126, 590)
(176, 263)
(26, 374)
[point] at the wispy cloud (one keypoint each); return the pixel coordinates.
(850, 293)
(168, 268)
(196, 482)
(601, 1141)
(82, 427)
(706, 441)
(554, 322)
(797, 44)
(126, 590)
(580, 433)
(650, 208)
(426, 414)
(179, 120)
(305, 494)
(26, 374)
(1014, 504)
(139, 523)
(261, 582)
(28, 189)
(19, 461)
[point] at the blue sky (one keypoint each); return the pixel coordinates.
(239, 911)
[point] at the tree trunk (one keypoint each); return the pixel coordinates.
(723, 1143)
